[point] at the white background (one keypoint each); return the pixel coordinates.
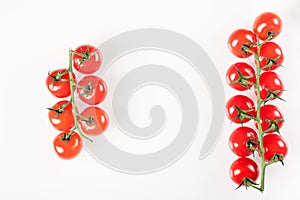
(35, 37)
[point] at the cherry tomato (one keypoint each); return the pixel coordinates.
(240, 109)
(58, 83)
(270, 55)
(67, 145)
(270, 86)
(87, 59)
(240, 40)
(243, 168)
(270, 117)
(61, 115)
(92, 90)
(267, 23)
(240, 76)
(274, 144)
(94, 121)
(239, 139)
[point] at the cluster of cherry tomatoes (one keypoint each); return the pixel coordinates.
(264, 137)
(91, 90)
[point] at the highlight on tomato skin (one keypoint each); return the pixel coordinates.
(67, 145)
(240, 76)
(93, 121)
(61, 115)
(92, 90)
(271, 86)
(240, 109)
(271, 117)
(271, 56)
(238, 141)
(240, 40)
(87, 59)
(58, 83)
(267, 24)
(243, 168)
(274, 144)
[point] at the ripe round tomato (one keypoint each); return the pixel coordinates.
(240, 76)
(243, 168)
(58, 83)
(270, 55)
(87, 59)
(94, 121)
(270, 85)
(239, 138)
(274, 144)
(67, 145)
(61, 115)
(270, 116)
(267, 23)
(240, 40)
(240, 109)
(92, 90)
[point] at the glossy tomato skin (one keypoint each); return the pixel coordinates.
(61, 115)
(96, 121)
(89, 63)
(232, 75)
(266, 23)
(274, 144)
(58, 83)
(243, 103)
(92, 90)
(270, 81)
(270, 51)
(243, 168)
(270, 113)
(67, 148)
(239, 138)
(238, 39)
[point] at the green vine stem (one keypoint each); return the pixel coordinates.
(260, 150)
(72, 100)
(258, 119)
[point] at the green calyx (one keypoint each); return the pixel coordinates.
(85, 55)
(243, 80)
(243, 114)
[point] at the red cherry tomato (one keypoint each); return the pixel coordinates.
(240, 76)
(243, 168)
(270, 117)
(61, 115)
(87, 59)
(241, 39)
(58, 83)
(271, 56)
(274, 144)
(240, 109)
(239, 139)
(92, 90)
(270, 86)
(267, 23)
(94, 121)
(66, 145)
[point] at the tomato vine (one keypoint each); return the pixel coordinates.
(64, 115)
(268, 56)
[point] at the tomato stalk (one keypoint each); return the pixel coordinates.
(258, 119)
(72, 100)
(67, 136)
